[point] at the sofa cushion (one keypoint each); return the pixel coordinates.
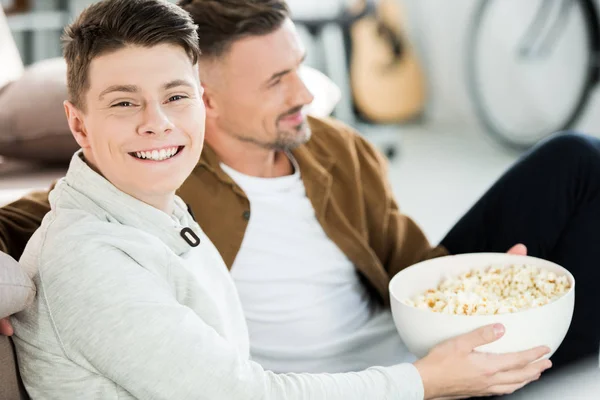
(16, 291)
(16, 288)
(326, 93)
(33, 125)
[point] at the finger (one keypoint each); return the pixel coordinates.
(510, 389)
(6, 328)
(528, 373)
(518, 250)
(510, 361)
(479, 337)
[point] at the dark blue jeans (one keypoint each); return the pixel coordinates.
(549, 201)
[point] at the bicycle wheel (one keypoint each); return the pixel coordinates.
(530, 66)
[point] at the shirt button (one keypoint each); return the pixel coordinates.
(246, 215)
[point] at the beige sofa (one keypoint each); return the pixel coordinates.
(12, 68)
(11, 387)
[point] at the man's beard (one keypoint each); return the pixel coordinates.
(290, 139)
(286, 139)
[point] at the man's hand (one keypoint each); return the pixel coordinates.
(454, 369)
(6, 328)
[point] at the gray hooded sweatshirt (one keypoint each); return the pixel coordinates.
(126, 308)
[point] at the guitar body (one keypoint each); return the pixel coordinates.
(388, 83)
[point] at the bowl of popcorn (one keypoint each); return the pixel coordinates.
(439, 299)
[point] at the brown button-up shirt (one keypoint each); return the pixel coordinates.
(345, 179)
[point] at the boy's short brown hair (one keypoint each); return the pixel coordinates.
(110, 25)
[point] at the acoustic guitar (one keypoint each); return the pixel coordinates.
(388, 83)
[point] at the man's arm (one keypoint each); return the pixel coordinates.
(20, 219)
(396, 238)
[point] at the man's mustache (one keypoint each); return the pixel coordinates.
(290, 112)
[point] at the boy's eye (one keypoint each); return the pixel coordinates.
(123, 104)
(177, 97)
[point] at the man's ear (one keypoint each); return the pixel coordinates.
(76, 124)
(211, 103)
(210, 77)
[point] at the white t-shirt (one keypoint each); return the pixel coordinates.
(305, 306)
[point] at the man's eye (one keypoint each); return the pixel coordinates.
(177, 97)
(275, 83)
(123, 104)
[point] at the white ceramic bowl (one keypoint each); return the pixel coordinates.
(422, 329)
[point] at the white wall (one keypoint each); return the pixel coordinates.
(439, 28)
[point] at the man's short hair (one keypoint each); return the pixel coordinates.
(110, 25)
(222, 22)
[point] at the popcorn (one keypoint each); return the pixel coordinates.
(492, 291)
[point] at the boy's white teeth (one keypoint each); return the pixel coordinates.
(157, 155)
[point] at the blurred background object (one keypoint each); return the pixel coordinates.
(12, 67)
(444, 30)
(383, 64)
(406, 62)
(374, 54)
(542, 36)
(37, 25)
(14, 6)
(363, 47)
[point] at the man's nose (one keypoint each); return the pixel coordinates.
(303, 96)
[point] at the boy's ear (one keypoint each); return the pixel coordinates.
(76, 124)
